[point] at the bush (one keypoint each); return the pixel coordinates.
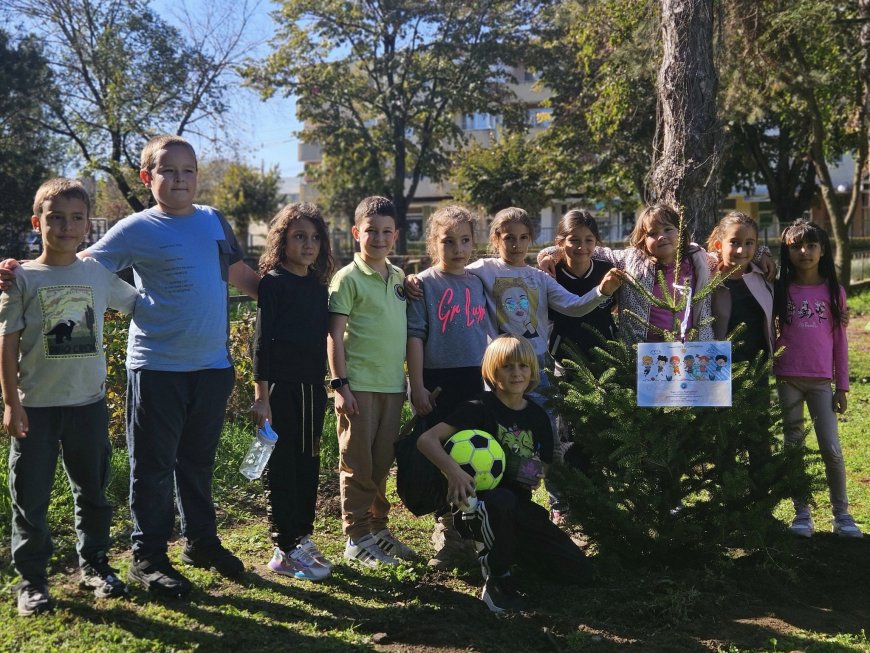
(670, 484)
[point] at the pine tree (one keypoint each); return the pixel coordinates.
(671, 483)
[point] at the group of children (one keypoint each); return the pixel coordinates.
(459, 325)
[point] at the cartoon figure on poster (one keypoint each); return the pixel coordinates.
(516, 307)
(692, 374)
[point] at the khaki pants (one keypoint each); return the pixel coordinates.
(365, 446)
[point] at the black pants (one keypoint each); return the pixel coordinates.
(515, 530)
(293, 472)
(174, 423)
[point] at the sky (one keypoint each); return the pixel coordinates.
(265, 130)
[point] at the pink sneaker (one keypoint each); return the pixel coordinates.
(299, 564)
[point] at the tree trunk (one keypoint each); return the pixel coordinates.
(686, 167)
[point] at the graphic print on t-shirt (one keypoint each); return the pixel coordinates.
(68, 321)
(516, 307)
(515, 440)
(809, 316)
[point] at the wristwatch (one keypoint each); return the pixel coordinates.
(335, 384)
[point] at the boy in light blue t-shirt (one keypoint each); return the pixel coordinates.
(179, 370)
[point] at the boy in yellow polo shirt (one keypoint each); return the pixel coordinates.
(366, 349)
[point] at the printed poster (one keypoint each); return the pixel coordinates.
(684, 374)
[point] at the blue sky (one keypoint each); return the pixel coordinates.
(265, 131)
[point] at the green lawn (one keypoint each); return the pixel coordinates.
(800, 596)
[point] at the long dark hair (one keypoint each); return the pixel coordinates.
(273, 252)
(803, 231)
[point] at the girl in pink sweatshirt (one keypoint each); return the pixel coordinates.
(810, 311)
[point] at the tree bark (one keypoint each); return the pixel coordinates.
(685, 171)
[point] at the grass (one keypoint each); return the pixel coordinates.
(800, 596)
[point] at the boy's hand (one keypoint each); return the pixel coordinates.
(422, 400)
(413, 287)
(261, 411)
(460, 485)
(611, 282)
(768, 267)
(7, 273)
(345, 402)
(839, 401)
(548, 264)
(15, 421)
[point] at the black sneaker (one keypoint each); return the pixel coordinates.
(500, 595)
(103, 579)
(33, 599)
(158, 576)
(214, 557)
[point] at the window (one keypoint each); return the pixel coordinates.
(540, 117)
(480, 121)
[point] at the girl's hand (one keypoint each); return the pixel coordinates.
(768, 267)
(345, 402)
(413, 287)
(460, 485)
(548, 264)
(611, 282)
(261, 411)
(839, 401)
(15, 421)
(422, 401)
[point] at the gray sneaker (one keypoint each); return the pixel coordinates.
(802, 525)
(33, 599)
(845, 526)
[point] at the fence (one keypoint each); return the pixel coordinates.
(861, 266)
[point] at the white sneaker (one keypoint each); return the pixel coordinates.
(366, 551)
(802, 525)
(845, 526)
(312, 550)
(391, 546)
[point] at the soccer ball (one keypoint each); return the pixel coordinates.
(480, 455)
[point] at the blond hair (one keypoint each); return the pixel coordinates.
(510, 215)
(60, 187)
(508, 348)
(149, 153)
(648, 218)
(447, 217)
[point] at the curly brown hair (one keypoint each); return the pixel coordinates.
(273, 254)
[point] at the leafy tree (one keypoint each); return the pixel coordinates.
(124, 74)
(247, 195)
(27, 152)
(382, 85)
(795, 73)
(510, 171)
(598, 58)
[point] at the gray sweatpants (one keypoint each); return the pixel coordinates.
(817, 394)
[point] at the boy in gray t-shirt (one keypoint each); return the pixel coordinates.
(53, 380)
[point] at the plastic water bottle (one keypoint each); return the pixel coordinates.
(259, 452)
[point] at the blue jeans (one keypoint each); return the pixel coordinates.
(80, 435)
(174, 422)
